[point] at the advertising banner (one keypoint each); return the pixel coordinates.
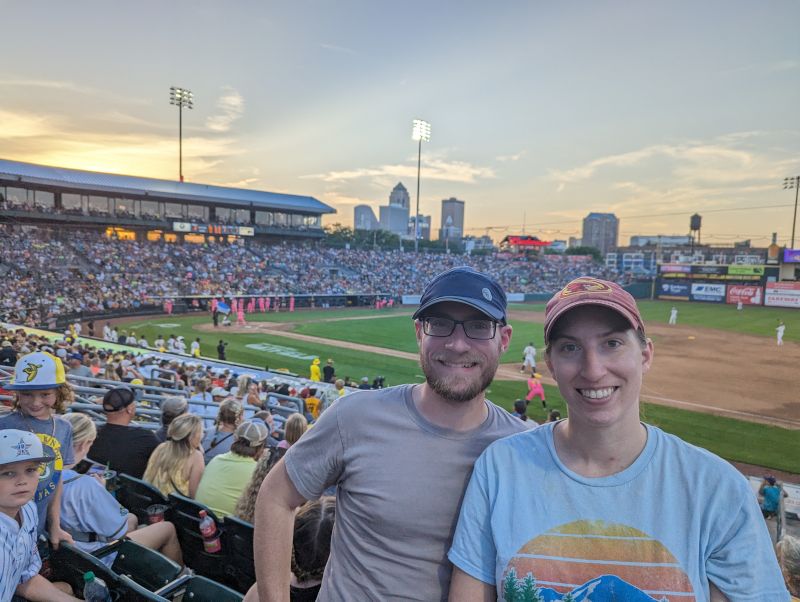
(747, 294)
(791, 256)
(678, 291)
(746, 270)
(710, 269)
(713, 293)
(671, 267)
(782, 294)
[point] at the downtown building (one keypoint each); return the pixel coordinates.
(601, 231)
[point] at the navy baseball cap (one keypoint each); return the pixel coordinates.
(468, 286)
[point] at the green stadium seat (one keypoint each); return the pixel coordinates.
(185, 515)
(199, 589)
(148, 568)
(137, 495)
(237, 541)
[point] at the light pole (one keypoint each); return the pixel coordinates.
(788, 184)
(182, 98)
(421, 131)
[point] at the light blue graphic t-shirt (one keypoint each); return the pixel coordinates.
(659, 530)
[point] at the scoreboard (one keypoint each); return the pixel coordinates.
(216, 229)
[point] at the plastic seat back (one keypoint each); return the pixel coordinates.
(240, 571)
(148, 568)
(137, 495)
(199, 589)
(185, 515)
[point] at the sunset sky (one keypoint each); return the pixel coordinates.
(541, 111)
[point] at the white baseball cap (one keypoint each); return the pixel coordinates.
(21, 446)
(37, 371)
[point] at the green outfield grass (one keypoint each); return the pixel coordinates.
(730, 438)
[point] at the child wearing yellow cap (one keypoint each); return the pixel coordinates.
(41, 390)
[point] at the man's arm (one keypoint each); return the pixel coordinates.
(39, 589)
(274, 518)
(467, 588)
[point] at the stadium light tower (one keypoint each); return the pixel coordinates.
(788, 184)
(421, 131)
(182, 98)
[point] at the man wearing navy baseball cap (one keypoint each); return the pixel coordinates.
(399, 457)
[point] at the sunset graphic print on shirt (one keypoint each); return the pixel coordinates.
(593, 561)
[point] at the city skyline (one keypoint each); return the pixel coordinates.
(540, 114)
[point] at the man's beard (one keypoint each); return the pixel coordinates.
(448, 387)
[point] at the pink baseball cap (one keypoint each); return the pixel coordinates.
(591, 291)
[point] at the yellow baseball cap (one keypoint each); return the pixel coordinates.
(37, 371)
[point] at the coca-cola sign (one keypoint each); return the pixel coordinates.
(747, 294)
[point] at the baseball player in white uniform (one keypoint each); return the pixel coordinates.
(673, 315)
(779, 331)
(529, 358)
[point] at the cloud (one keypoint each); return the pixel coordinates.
(230, 107)
(59, 141)
(433, 168)
(336, 48)
(68, 86)
(786, 65)
(506, 158)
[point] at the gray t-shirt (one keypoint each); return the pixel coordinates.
(400, 484)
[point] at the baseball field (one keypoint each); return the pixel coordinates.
(718, 379)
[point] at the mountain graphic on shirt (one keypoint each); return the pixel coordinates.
(595, 561)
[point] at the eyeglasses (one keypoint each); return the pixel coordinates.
(481, 330)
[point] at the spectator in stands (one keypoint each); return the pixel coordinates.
(171, 408)
(76, 366)
(177, 464)
(423, 437)
(8, 355)
(328, 371)
(295, 426)
(311, 547)
(521, 410)
(203, 394)
(364, 383)
(119, 445)
(228, 474)
(771, 492)
(218, 440)
(598, 353)
(246, 506)
(788, 550)
(41, 392)
(92, 515)
(554, 416)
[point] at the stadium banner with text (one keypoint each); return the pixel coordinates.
(411, 299)
(782, 294)
(678, 291)
(674, 268)
(747, 294)
(710, 269)
(515, 297)
(746, 270)
(710, 293)
(791, 503)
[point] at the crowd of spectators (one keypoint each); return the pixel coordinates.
(47, 276)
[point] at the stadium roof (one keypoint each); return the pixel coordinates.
(77, 179)
(524, 241)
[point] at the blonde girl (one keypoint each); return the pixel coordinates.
(177, 464)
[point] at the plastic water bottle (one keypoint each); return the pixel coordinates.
(208, 529)
(94, 589)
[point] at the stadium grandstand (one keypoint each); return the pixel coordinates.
(84, 246)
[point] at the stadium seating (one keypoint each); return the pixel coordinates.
(197, 588)
(237, 541)
(184, 513)
(146, 567)
(137, 495)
